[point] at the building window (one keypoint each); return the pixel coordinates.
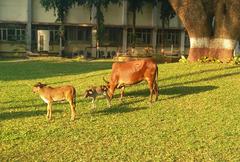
(54, 36)
(143, 37)
(169, 38)
(12, 33)
(112, 37)
(78, 34)
(3, 34)
(53, 30)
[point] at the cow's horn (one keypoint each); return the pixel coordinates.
(105, 80)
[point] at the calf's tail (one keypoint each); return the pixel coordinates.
(74, 96)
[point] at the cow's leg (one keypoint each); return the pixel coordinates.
(122, 92)
(64, 111)
(150, 85)
(93, 103)
(108, 101)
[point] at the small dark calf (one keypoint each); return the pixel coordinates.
(94, 91)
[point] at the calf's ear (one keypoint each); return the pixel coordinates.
(44, 85)
(40, 85)
(37, 84)
(90, 92)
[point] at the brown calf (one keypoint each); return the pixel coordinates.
(50, 94)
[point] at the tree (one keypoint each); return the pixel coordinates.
(99, 5)
(135, 6)
(212, 25)
(61, 8)
(166, 13)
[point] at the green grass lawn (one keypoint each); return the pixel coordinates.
(197, 117)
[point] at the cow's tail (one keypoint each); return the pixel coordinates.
(156, 75)
(156, 81)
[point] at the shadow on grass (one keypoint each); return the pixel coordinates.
(24, 106)
(179, 91)
(23, 114)
(204, 79)
(38, 69)
(19, 101)
(199, 72)
(123, 107)
(118, 109)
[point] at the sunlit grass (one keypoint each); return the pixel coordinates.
(196, 118)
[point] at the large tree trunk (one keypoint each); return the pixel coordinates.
(213, 48)
(212, 26)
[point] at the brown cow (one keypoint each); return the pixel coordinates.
(133, 72)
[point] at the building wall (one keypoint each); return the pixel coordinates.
(143, 18)
(13, 11)
(76, 46)
(79, 15)
(113, 15)
(173, 23)
(40, 15)
(12, 46)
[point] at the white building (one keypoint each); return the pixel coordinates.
(26, 26)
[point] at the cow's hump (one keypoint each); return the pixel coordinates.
(138, 65)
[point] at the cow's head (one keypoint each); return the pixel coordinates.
(110, 88)
(104, 89)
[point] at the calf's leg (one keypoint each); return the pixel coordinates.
(49, 111)
(108, 101)
(93, 102)
(73, 111)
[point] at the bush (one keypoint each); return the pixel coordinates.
(183, 59)
(80, 58)
(236, 60)
(208, 60)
